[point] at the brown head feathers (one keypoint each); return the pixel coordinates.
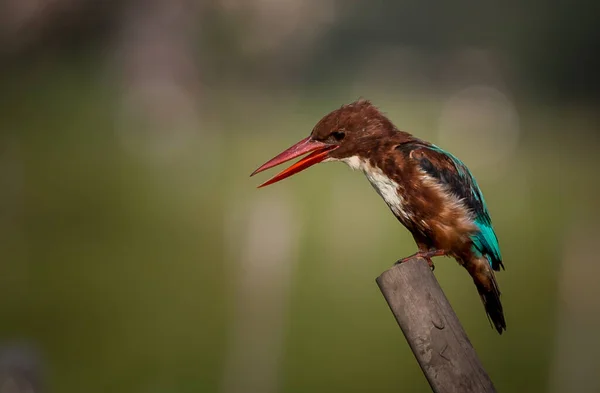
(356, 127)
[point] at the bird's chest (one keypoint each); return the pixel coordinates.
(385, 186)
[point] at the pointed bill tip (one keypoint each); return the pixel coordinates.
(257, 170)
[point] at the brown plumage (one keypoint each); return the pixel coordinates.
(430, 191)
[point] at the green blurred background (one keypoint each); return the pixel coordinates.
(137, 255)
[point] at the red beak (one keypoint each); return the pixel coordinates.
(319, 153)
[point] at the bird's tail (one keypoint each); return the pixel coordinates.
(487, 286)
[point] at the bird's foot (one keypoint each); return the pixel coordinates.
(427, 255)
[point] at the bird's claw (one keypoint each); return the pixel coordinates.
(429, 261)
(425, 255)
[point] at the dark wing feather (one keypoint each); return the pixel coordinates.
(450, 172)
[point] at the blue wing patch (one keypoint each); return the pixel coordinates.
(485, 243)
(461, 182)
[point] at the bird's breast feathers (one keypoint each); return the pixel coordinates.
(387, 188)
(427, 208)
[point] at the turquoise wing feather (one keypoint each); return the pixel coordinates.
(462, 183)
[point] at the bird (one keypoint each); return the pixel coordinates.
(429, 190)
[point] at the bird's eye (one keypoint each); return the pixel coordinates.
(338, 135)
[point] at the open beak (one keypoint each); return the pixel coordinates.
(318, 152)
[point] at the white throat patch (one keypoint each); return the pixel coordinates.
(385, 187)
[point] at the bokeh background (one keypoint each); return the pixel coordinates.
(137, 255)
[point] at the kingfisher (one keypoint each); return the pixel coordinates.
(430, 191)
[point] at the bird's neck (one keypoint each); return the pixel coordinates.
(385, 186)
(357, 163)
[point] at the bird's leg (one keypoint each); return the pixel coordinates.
(434, 253)
(427, 255)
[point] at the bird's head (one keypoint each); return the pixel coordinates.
(354, 129)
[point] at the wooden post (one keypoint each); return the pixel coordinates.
(432, 329)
